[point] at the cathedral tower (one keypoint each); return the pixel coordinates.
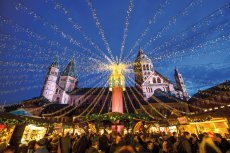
(68, 78)
(51, 80)
(180, 84)
(143, 67)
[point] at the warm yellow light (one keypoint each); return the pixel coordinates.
(101, 131)
(117, 78)
(32, 132)
(108, 131)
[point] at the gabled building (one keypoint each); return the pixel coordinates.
(150, 79)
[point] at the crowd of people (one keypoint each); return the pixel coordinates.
(126, 143)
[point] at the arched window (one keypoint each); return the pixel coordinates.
(148, 89)
(144, 68)
(56, 91)
(167, 89)
(158, 80)
(154, 80)
(58, 99)
(147, 66)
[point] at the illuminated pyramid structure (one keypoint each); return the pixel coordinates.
(117, 86)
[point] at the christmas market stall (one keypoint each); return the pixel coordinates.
(101, 122)
(205, 123)
(33, 132)
(7, 126)
(22, 129)
(34, 128)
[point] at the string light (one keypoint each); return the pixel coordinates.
(130, 8)
(107, 95)
(65, 113)
(143, 108)
(131, 102)
(20, 6)
(127, 110)
(151, 21)
(157, 100)
(19, 89)
(194, 28)
(97, 99)
(172, 21)
(76, 26)
(99, 27)
(86, 96)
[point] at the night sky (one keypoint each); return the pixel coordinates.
(190, 35)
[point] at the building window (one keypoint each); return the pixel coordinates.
(63, 79)
(144, 68)
(158, 80)
(147, 67)
(167, 89)
(57, 99)
(70, 80)
(56, 91)
(154, 80)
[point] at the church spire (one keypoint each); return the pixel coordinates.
(176, 71)
(140, 51)
(70, 69)
(55, 62)
(180, 84)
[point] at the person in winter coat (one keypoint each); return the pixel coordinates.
(194, 143)
(40, 146)
(117, 144)
(222, 143)
(94, 147)
(184, 145)
(66, 143)
(31, 146)
(54, 145)
(82, 144)
(104, 143)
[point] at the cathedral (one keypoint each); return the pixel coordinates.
(150, 80)
(61, 87)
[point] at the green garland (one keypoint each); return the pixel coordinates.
(9, 121)
(23, 120)
(116, 117)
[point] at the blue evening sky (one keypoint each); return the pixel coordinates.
(190, 35)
